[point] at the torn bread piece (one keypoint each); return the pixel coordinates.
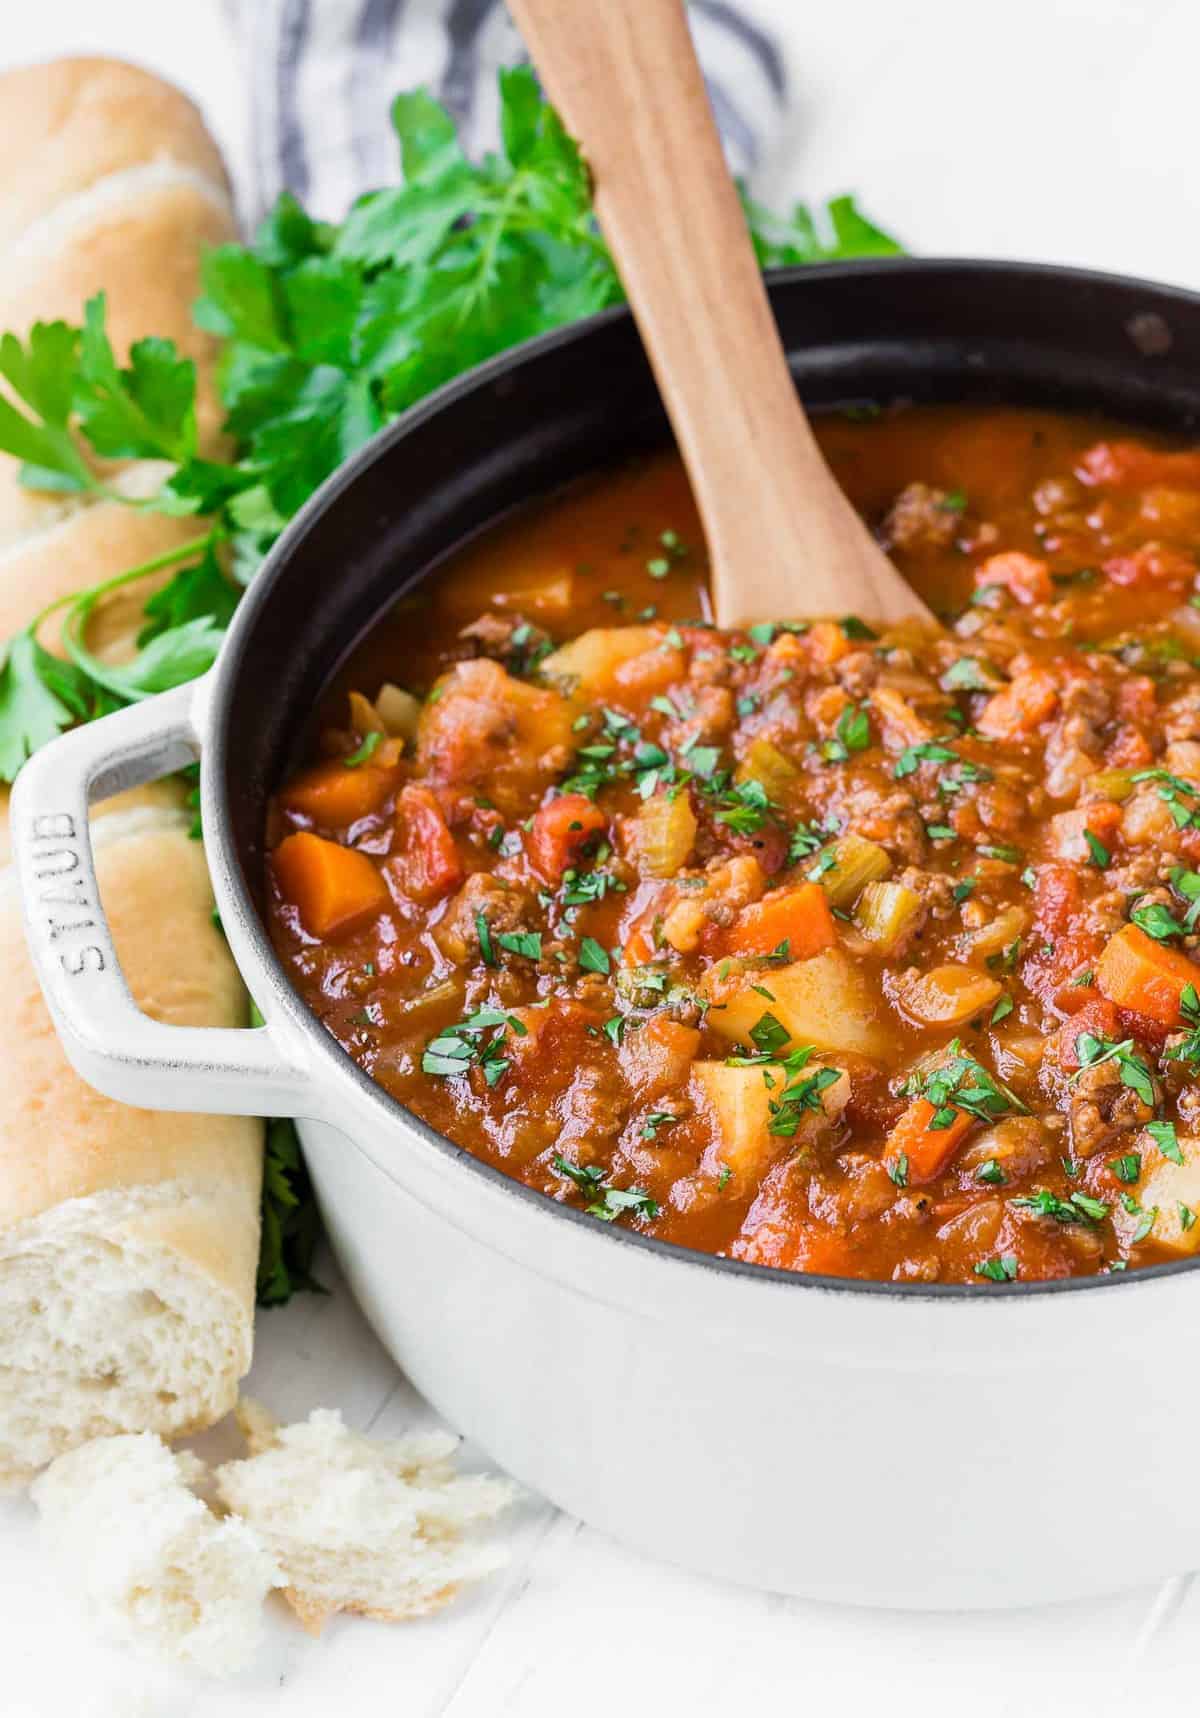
(357, 1524)
(125, 1525)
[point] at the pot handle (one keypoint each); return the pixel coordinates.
(111, 1043)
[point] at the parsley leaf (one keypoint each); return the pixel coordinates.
(39, 697)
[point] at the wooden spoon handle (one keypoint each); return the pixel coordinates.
(783, 539)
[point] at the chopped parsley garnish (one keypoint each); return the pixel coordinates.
(477, 1041)
(1004, 1007)
(769, 1036)
(991, 1173)
(1099, 853)
(1157, 921)
(744, 808)
(526, 943)
(1173, 790)
(1009, 855)
(852, 733)
(806, 838)
(655, 1120)
(962, 1083)
(485, 940)
(1166, 1139)
(606, 1202)
(367, 749)
(854, 628)
(581, 888)
(1145, 1218)
(1076, 1208)
(592, 957)
(1003, 1269)
(963, 889)
(929, 752)
(898, 1169)
(1127, 1167)
(1187, 884)
(971, 674)
(724, 1178)
(1188, 1047)
(1132, 1069)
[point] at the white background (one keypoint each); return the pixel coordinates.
(1061, 130)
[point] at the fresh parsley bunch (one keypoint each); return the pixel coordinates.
(327, 333)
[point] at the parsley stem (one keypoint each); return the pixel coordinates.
(86, 599)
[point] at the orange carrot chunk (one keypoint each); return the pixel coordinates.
(1136, 972)
(333, 888)
(336, 794)
(798, 918)
(916, 1152)
(560, 829)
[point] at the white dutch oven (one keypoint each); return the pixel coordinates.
(872, 1443)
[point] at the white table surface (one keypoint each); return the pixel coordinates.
(1061, 130)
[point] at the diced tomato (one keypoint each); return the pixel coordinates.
(1096, 1019)
(1057, 898)
(1132, 465)
(1030, 699)
(1154, 565)
(1070, 829)
(561, 829)
(1023, 576)
(1137, 699)
(427, 865)
(1129, 749)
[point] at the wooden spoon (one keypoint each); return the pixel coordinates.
(783, 539)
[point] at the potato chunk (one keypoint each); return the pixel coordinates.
(591, 662)
(740, 1101)
(826, 1001)
(1175, 1189)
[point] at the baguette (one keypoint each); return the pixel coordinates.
(128, 1238)
(112, 185)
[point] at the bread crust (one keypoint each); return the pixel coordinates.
(138, 239)
(72, 122)
(111, 183)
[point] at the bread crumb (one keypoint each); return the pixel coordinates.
(154, 1566)
(383, 1529)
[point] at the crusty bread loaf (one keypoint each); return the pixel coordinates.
(110, 183)
(70, 123)
(153, 1566)
(128, 1239)
(357, 1524)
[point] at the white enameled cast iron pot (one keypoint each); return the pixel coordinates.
(871, 1443)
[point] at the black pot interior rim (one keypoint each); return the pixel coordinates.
(327, 1052)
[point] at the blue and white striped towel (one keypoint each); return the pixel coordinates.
(323, 73)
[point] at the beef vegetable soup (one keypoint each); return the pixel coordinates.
(864, 954)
